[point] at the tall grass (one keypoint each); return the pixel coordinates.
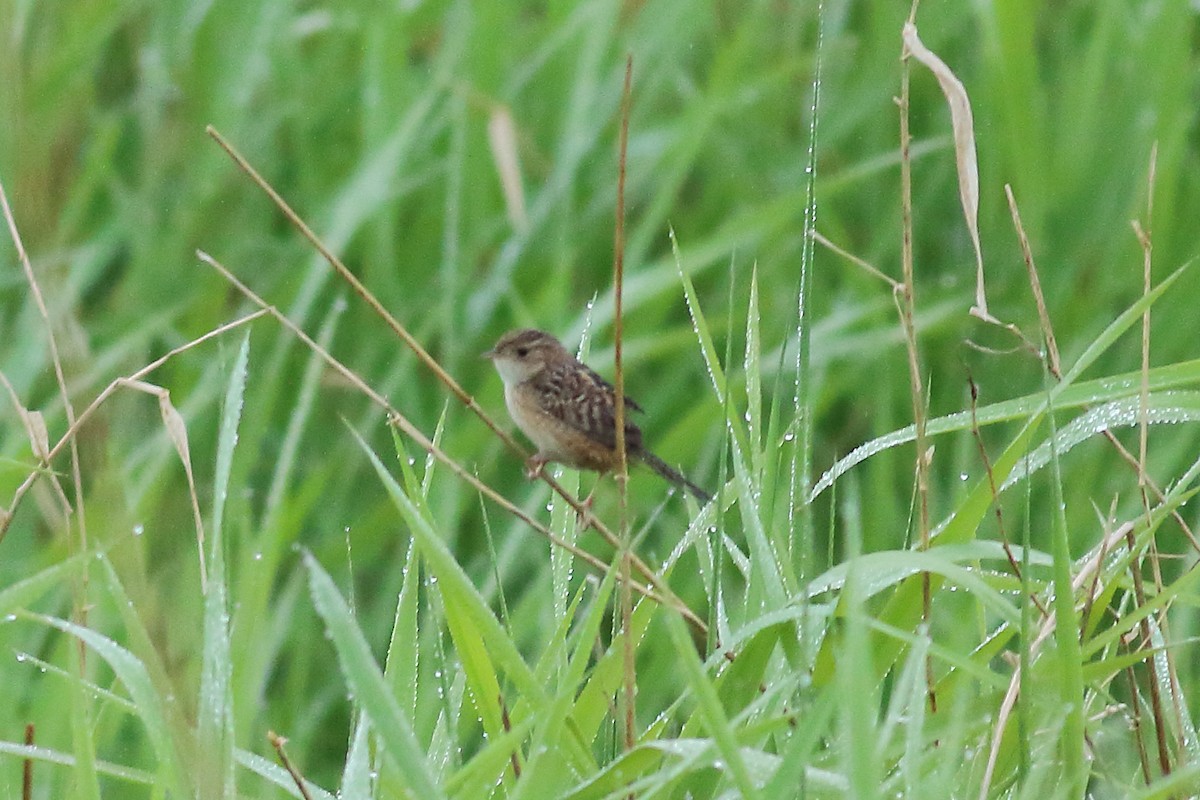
(408, 635)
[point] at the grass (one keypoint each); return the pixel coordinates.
(408, 633)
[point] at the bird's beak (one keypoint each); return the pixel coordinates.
(489, 354)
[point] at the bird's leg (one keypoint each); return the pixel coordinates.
(534, 465)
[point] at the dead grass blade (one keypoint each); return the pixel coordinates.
(964, 151)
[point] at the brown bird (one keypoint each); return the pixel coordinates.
(567, 410)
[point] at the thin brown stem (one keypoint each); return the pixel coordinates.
(1135, 724)
(506, 721)
(628, 644)
(907, 300)
(1053, 362)
(861, 263)
(1156, 702)
(35, 290)
(278, 742)
(27, 766)
(991, 477)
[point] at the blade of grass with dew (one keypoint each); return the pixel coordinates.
(368, 687)
(402, 662)
(751, 362)
(712, 361)
(776, 581)
(355, 783)
(431, 461)
(875, 572)
(277, 776)
(1087, 393)
(412, 483)
(1083, 394)
(551, 768)
(555, 658)
(85, 769)
(449, 686)
(1166, 408)
(562, 562)
(1124, 321)
(1066, 631)
(709, 708)
(906, 714)
(149, 703)
(401, 668)
(1169, 687)
(471, 623)
(262, 555)
(29, 590)
(110, 698)
(592, 705)
(477, 634)
(215, 704)
(38, 753)
(478, 777)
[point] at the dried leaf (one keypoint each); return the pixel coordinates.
(177, 432)
(35, 428)
(964, 149)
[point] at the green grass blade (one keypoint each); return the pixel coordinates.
(215, 709)
(709, 707)
(368, 686)
(149, 704)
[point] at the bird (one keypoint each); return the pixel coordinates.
(568, 411)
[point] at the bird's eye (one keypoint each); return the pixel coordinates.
(522, 352)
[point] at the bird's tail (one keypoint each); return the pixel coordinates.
(671, 474)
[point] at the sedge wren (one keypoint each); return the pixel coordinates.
(567, 410)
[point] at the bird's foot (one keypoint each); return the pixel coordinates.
(533, 467)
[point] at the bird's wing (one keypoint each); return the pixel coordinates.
(579, 397)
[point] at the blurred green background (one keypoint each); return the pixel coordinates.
(372, 120)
